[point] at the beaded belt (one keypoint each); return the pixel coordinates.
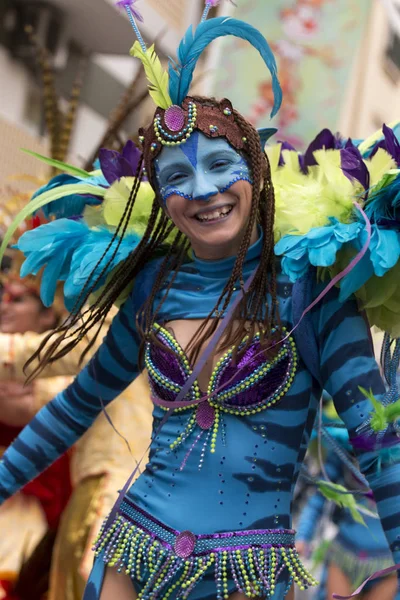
(171, 561)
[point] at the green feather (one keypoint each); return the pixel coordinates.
(157, 76)
(339, 494)
(58, 164)
(382, 415)
(42, 200)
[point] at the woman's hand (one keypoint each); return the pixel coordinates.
(17, 403)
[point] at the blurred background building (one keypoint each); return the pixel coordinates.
(72, 31)
(339, 63)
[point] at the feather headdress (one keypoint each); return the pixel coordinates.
(172, 88)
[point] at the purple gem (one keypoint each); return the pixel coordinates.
(174, 118)
(184, 544)
(205, 415)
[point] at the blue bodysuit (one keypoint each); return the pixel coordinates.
(211, 513)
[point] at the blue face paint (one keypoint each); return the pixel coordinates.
(200, 169)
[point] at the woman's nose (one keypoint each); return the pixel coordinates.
(203, 187)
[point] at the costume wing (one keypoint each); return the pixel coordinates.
(326, 201)
(81, 237)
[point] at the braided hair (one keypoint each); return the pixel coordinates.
(257, 311)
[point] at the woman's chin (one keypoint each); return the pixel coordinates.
(217, 240)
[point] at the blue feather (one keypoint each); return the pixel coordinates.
(72, 205)
(86, 257)
(193, 45)
(51, 246)
(385, 203)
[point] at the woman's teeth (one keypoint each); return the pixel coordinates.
(214, 215)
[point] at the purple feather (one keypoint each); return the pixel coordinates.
(390, 143)
(325, 139)
(368, 442)
(353, 165)
(115, 165)
(213, 3)
(285, 146)
(128, 4)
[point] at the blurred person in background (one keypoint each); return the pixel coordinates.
(29, 520)
(360, 547)
(100, 463)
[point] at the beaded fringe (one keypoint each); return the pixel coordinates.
(356, 567)
(255, 571)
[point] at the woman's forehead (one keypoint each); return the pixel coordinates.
(197, 147)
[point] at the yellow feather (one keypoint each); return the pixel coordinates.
(379, 165)
(306, 201)
(157, 77)
(375, 137)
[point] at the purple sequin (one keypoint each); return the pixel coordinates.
(168, 364)
(184, 544)
(174, 118)
(205, 415)
(264, 388)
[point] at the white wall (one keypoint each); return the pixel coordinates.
(374, 98)
(14, 87)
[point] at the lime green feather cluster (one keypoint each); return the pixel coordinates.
(383, 415)
(157, 77)
(339, 495)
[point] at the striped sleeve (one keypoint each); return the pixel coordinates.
(314, 507)
(346, 362)
(66, 418)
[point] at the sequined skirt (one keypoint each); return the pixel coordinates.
(171, 564)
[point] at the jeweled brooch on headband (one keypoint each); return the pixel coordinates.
(178, 124)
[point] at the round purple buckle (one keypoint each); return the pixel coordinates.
(184, 544)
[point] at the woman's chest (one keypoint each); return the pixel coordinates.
(239, 379)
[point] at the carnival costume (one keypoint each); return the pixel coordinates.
(211, 512)
(360, 547)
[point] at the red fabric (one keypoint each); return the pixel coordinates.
(7, 587)
(52, 488)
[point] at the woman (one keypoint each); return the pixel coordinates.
(210, 515)
(31, 517)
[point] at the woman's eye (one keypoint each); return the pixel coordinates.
(176, 178)
(219, 164)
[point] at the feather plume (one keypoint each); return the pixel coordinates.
(194, 43)
(340, 495)
(156, 75)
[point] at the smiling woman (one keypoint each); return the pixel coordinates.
(210, 312)
(217, 180)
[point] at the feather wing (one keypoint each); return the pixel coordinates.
(194, 43)
(157, 77)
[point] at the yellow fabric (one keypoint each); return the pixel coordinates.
(22, 525)
(79, 518)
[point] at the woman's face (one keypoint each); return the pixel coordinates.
(22, 311)
(206, 187)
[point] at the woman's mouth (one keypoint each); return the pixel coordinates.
(214, 215)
